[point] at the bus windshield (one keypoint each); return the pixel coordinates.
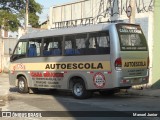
(131, 38)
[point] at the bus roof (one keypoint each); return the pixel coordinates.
(70, 30)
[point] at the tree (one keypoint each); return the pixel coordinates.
(12, 13)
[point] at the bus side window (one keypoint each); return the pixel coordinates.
(91, 44)
(69, 45)
(20, 51)
(80, 46)
(52, 46)
(57, 46)
(98, 43)
(103, 43)
(34, 48)
(21, 48)
(45, 48)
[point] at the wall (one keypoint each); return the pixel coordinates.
(1, 53)
(156, 48)
(45, 25)
(94, 11)
(5, 44)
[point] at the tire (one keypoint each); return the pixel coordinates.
(79, 90)
(22, 85)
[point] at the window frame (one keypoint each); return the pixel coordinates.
(131, 48)
(19, 56)
(63, 39)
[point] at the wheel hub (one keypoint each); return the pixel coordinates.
(78, 89)
(21, 85)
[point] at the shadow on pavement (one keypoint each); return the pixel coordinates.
(68, 94)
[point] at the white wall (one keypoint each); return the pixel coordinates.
(5, 44)
(1, 53)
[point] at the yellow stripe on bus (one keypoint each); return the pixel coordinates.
(102, 65)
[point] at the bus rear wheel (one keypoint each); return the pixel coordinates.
(79, 90)
(22, 85)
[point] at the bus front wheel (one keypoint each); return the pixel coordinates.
(22, 85)
(79, 90)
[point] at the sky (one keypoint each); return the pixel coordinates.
(47, 4)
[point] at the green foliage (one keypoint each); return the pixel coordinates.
(8, 21)
(13, 11)
(33, 18)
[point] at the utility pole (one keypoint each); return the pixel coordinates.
(26, 16)
(132, 17)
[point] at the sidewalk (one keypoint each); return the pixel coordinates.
(4, 89)
(4, 86)
(145, 92)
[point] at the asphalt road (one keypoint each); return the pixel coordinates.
(117, 105)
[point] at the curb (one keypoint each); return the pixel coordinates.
(145, 92)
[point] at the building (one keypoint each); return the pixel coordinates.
(3, 33)
(6, 42)
(45, 25)
(84, 12)
(156, 46)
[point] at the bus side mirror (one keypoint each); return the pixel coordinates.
(10, 51)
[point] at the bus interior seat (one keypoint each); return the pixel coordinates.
(103, 50)
(69, 52)
(32, 50)
(90, 51)
(77, 52)
(56, 52)
(82, 51)
(46, 53)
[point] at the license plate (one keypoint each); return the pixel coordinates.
(135, 81)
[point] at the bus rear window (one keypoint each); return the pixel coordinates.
(131, 38)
